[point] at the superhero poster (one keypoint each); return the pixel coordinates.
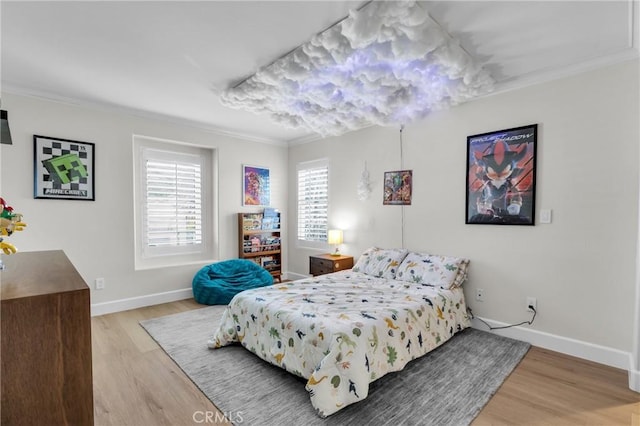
(501, 177)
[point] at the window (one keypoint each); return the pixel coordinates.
(313, 201)
(174, 214)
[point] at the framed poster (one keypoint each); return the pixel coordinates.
(397, 187)
(256, 188)
(63, 169)
(501, 177)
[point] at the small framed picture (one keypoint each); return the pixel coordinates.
(397, 188)
(501, 177)
(256, 187)
(63, 169)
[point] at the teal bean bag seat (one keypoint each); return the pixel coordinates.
(216, 284)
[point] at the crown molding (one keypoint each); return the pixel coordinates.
(106, 107)
(547, 75)
(538, 77)
(629, 53)
(312, 137)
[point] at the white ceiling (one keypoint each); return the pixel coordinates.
(172, 59)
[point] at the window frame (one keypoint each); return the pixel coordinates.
(306, 165)
(146, 257)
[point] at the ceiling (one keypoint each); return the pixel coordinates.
(171, 59)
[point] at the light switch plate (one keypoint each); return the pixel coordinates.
(545, 216)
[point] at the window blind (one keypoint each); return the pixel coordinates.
(313, 203)
(173, 202)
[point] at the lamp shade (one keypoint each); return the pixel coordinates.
(334, 236)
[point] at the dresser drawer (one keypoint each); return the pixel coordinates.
(320, 271)
(320, 266)
(326, 264)
(322, 263)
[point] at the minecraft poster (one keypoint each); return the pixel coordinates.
(64, 169)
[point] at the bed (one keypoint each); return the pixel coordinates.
(344, 330)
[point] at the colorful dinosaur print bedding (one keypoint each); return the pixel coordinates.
(342, 331)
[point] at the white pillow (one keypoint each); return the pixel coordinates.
(380, 262)
(437, 271)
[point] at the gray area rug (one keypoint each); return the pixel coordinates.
(448, 386)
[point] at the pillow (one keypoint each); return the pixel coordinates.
(379, 262)
(438, 271)
(463, 265)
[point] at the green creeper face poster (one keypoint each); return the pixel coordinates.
(63, 169)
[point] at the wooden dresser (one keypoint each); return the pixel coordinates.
(321, 264)
(46, 341)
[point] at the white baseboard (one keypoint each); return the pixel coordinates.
(597, 353)
(634, 376)
(139, 302)
(156, 299)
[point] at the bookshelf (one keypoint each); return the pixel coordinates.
(259, 240)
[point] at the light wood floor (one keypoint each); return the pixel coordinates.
(136, 383)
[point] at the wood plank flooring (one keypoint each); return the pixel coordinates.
(137, 384)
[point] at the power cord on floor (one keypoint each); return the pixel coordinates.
(504, 326)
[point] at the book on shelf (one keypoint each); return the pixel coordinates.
(252, 221)
(271, 223)
(256, 244)
(271, 265)
(271, 218)
(270, 212)
(266, 260)
(271, 243)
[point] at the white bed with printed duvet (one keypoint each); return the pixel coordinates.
(344, 330)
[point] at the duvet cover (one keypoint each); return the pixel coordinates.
(342, 331)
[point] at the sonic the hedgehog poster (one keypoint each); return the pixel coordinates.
(501, 177)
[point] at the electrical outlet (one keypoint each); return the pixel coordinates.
(480, 295)
(99, 283)
(531, 301)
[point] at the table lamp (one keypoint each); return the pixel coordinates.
(335, 237)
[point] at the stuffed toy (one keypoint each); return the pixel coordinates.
(9, 223)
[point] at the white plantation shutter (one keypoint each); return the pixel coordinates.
(173, 200)
(175, 203)
(313, 201)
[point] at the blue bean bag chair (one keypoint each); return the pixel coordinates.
(216, 284)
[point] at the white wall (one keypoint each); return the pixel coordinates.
(581, 267)
(98, 236)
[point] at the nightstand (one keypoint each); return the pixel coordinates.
(321, 264)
